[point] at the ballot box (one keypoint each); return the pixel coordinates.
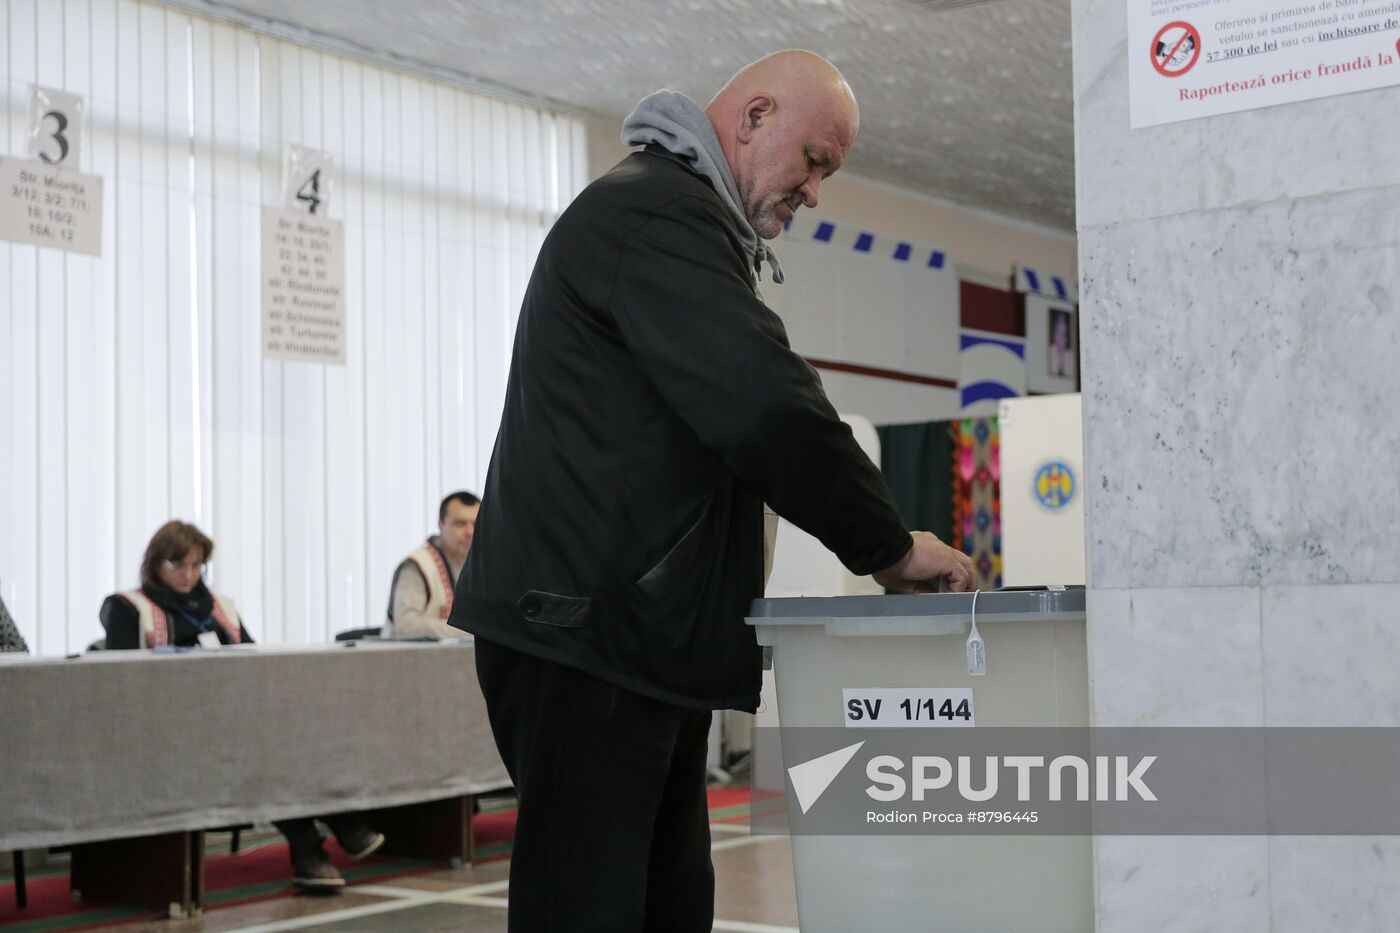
(830, 656)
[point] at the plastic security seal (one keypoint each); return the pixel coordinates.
(976, 647)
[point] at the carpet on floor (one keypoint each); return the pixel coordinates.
(262, 871)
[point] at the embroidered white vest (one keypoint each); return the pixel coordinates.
(439, 578)
(155, 626)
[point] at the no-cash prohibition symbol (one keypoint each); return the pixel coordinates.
(1176, 48)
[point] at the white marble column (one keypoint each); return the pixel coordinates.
(1240, 283)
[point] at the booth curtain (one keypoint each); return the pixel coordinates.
(917, 460)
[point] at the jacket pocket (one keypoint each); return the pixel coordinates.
(663, 578)
(554, 609)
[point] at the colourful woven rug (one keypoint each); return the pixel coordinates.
(977, 497)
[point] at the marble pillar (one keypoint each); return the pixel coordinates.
(1240, 288)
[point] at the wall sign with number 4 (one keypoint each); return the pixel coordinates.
(55, 127)
(306, 180)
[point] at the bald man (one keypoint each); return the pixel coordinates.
(654, 406)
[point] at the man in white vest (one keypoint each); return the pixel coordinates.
(420, 598)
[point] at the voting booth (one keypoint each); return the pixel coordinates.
(1042, 490)
(825, 650)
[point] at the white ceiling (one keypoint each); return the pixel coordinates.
(971, 105)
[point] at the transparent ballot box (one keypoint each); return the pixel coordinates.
(848, 668)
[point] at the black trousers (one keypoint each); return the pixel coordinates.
(613, 833)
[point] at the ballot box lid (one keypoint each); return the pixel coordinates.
(879, 615)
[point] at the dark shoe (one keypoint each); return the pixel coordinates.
(316, 871)
(361, 842)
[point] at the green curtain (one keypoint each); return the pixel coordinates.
(917, 460)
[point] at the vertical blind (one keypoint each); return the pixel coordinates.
(132, 386)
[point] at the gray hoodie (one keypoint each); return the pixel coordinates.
(679, 125)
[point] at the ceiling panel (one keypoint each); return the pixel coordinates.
(971, 104)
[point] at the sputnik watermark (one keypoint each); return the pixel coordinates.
(1115, 778)
(1077, 781)
(1116, 775)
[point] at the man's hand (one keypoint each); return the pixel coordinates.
(926, 561)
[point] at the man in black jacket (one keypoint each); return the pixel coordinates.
(653, 406)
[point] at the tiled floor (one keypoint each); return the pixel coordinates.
(753, 894)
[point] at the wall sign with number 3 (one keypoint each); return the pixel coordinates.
(306, 180)
(55, 125)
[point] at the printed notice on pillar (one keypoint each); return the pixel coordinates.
(303, 297)
(45, 205)
(1201, 58)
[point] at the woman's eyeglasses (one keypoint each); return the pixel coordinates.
(188, 565)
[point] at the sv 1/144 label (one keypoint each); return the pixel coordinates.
(908, 707)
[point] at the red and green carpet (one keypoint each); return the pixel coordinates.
(261, 870)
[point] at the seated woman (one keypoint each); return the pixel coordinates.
(174, 607)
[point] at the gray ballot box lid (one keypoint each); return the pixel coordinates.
(924, 614)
